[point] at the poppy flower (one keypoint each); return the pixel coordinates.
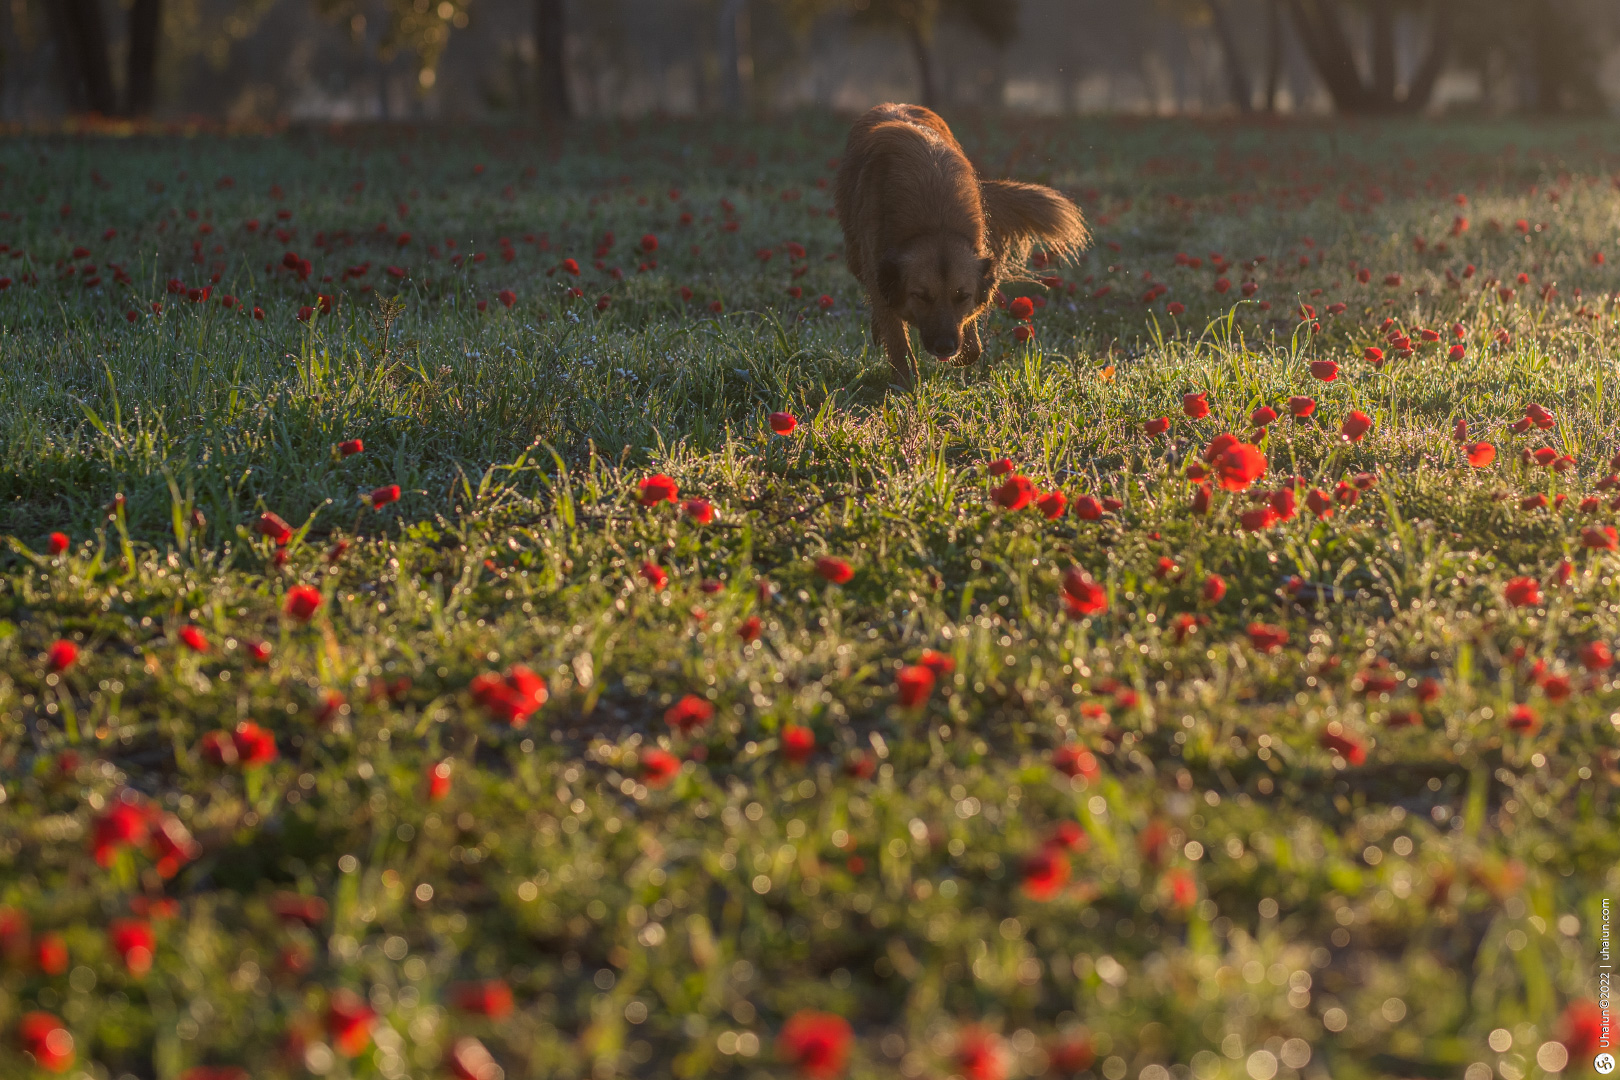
(1200, 500)
(649, 243)
(1214, 588)
(1538, 501)
(825, 303)
(491, 998)
(1240, 466)
(1014, 494)
(1052, 505)
(1324, 370)
(815, 1043)
(1355, 426)
(1072, 1054)
(51, 954)
(1480, 454)
(1282, 503)
(1350, 749)
(1195, 405)
(193, 639)
(657, 489)
(937, 662)
(981, 1056)
(654, 576)
(44, 1037)
(689, 713)
(350, 447)
(658, 768)
(1157, 427)
(1565, 570)
(913, 684)
(302, 602)
(58, 543)
(1258, 520)
(1266, 638)
(1600, 538)
(1044, 874)
(133, 940)
(1182, 888)
(274, 527)
(1087, 508)
(699, 510)
(124, 825)
(1556, 687)
(749, 629)
(511, 698)
(1072, 760)
(1523, 592)
(438, 781)
(798, 743)
(1263, 416)
(382, 496)
(1300, 407)
(1596, 656)
(1176, 307)
(1083, 594)
(349, 1020)
(1223, 285)
(1581, 1028)
(1022, 308)
(833, 569)
(62, 655)
(253, 744)
(783, 423)
(1523, 720)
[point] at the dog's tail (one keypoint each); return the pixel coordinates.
(1020, 215)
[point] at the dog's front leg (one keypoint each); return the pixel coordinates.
(972, 346)
(890, 330)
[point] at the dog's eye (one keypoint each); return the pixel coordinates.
(961, 295)
(923, 297)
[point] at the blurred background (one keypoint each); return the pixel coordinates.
(250, 62)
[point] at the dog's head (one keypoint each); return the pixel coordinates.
(938, 283)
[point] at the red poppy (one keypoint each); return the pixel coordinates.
(749, 629)
(1072, 1054)
(349, 1020)
(783, 423)
(689, 713)
(58, 543)
(302, 602)
(658, 767)
(272, 526)
(1600, 538)
(1087, 508)
(1015, 494)
(438, 781)
(1200, 500)
(1556, 687)
(1263, 416)
(1581, 1028)
(350, 448)
(49, 1042)
(937, 662)
(51, 954)
(914, 684)
(1072, 760)
(513, 697)
(1596, 656)
(1374, 355)
(980, 1055)
(1350, 749)
(193, 638)
(1355, 426)
(1523, 720)
(1157, 426)
(1045, 873)
(1523, 592)
(815, 1043)
(62, 655)
(1266, 638)
(1182, 887)
(1052, 504)
(133, 940)
(699, 510)
(657, 489)
(1195, 405)
(1480, 454)
(1259, 519)
(1538, 501)
(654, 576)
(1022, 308)
(1324, 370)
(833, 569)
(491, 998)
(1240, 466)
(825, 303)
(798, 743)
(1083, 594)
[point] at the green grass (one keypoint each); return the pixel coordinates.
(1249, 903)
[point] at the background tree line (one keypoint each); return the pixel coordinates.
(558, 59)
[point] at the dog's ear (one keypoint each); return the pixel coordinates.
(987, 280)
(889, 285)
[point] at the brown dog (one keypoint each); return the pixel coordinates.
(929, 240)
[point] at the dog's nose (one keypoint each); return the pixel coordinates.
(944, 350)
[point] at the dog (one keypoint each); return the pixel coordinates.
(929, 241)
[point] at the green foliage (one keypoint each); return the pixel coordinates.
(1250, 902)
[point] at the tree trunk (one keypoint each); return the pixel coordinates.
(1383, 54)
(82, 42)
(1237, 79)
(730, 36)
(925, 65)
(145, 27)
(551, 46)
(1427, 77)
(1274, 54)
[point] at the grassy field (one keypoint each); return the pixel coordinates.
(481, 751)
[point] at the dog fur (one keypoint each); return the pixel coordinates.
(928, 240)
